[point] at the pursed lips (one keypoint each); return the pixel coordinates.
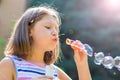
(55, 39)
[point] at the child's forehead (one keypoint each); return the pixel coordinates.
(49, 20)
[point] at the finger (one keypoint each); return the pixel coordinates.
(79, 44)
(82, 54)
(76, 45)
(76, 53)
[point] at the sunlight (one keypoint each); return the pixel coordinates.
(112, 4)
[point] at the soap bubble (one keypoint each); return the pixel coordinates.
(89, 50)
(99, 58)
(117, 62)
(108, 62)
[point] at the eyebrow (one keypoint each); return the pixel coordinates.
(52, 24)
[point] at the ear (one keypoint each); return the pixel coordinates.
(31, 32)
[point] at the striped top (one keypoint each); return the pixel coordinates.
(26, 70)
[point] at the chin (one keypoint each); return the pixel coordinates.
(52, 47)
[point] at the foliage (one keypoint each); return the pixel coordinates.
(80, 20)
(2, 46)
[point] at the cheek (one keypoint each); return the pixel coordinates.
(41, 37)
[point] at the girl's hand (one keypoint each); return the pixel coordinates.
(80, 54)
(80, 57)
(43, 78)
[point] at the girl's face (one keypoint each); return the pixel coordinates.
(45, 33)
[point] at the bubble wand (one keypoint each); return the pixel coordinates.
(107, 61)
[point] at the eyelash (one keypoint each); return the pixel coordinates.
(47, 27)
(50, 28)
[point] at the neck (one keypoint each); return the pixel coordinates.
(37, 57)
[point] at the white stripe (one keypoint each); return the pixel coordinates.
(30, 68)
(22, 74)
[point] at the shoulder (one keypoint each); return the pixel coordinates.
(61, 74)
(6, 69)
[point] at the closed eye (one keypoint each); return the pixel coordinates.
(47, 27)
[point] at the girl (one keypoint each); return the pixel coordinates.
(34, 44)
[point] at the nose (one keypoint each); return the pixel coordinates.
(54, 33)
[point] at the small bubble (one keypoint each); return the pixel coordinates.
(108, 62)
(99, 58)
(89, 50)
(96, 62)
(117, 61)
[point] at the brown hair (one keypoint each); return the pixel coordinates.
(20, 41)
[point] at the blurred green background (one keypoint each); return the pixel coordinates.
(90, 22)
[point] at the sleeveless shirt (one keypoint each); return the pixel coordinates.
(26, 70)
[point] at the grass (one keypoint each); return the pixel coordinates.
(2, 46)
